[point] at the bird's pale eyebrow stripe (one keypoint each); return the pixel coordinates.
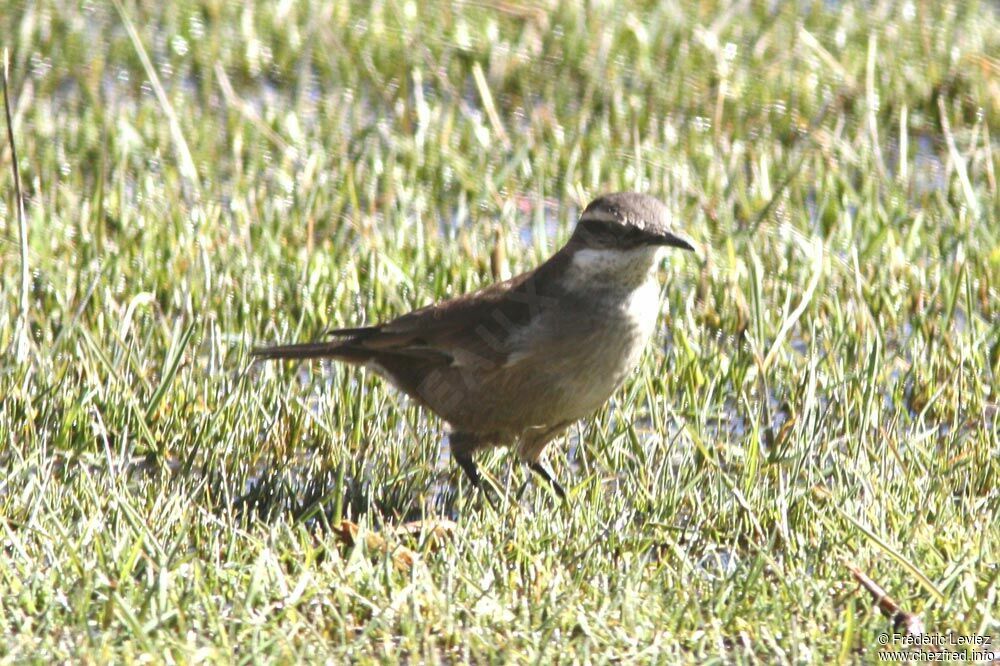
(598, 216)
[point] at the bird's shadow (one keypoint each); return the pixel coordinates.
(327, 496)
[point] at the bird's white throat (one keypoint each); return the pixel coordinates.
(613, 267)
(622, 280)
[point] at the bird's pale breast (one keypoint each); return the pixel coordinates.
(580, 352)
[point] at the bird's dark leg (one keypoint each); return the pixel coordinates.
(533, 442)
(539, 469)
(462, 446)
(470, 468)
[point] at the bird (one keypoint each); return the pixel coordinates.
(519, 361)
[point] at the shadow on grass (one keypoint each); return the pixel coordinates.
(327, 496)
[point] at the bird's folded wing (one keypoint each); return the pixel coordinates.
(478, 330)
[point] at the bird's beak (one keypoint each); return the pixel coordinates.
(674, 239)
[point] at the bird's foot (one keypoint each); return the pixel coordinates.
(471, 470)
(540, 469)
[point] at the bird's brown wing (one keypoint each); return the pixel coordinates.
(475, 330)
(481, 329)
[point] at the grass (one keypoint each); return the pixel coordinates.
(821, 392)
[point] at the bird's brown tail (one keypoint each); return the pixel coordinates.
(344, 349)
(302, 351)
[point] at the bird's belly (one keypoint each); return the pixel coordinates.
(587, 379)
(573, 377)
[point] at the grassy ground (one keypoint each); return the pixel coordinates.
(822, 390)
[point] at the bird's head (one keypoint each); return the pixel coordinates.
(627, 221)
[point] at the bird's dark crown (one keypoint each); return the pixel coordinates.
(626, 220)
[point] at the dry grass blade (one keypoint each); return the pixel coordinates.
(248, 111)
(402, 557)
(186, 162)
(956, 159)
(793, 317)
(894, 553)
(437, 531)
(491, 110)
(901, 620)
(22, 338)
